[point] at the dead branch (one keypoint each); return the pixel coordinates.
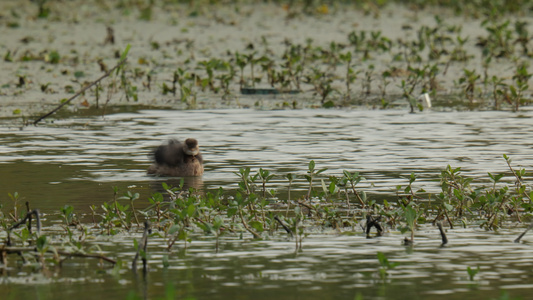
(120, 63)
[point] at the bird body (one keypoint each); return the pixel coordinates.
(177, 159)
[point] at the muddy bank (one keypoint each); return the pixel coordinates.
(48, 59)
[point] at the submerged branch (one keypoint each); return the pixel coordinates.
(289, 231)
(517, 240)
(442, 234)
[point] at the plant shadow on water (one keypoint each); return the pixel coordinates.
(76, 162)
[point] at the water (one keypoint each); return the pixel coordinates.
(77, 161)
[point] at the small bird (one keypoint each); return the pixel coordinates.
(177, 159)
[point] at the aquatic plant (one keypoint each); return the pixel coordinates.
(68, 215)
(311, 174)
(521, 79)
(468, 82)
(351, 75)
(457, 194)
(415, 77)
(131, 197)
(499, 91)
(290, 178)
(184, 78)
(434, 49)
(385, 264)
(15, 197)
(179, 216)
(322, 81)
(472, 272)
(499, 42)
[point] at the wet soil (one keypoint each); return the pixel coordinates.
(34, 80)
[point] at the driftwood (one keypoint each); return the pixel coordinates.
(120, 63)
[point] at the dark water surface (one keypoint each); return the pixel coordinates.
(77, 162)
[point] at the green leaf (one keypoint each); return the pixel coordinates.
(328, 104)
(321, 170)
(447, 206)
(410, 216)
(125, 53)
(258, 226)
(232, 211)
(457, 194)
(311, 165)
(324, 188)
(218, 222)
(472, 272)
(333, 188)
(41, 243)
(182, 235)
(289, 176)
(173, 229)
(347, 174)
(383, 261)
(191, 210)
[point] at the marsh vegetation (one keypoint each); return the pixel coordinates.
(360, 54)
(330, 210)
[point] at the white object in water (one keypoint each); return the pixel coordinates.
(426, 99)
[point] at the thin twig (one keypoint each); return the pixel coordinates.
(247, 227)
(120, 63)
(28, 218)
(518, 180)
(448, 218)
(523, 233)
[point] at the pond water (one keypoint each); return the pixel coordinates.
(77, 161)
